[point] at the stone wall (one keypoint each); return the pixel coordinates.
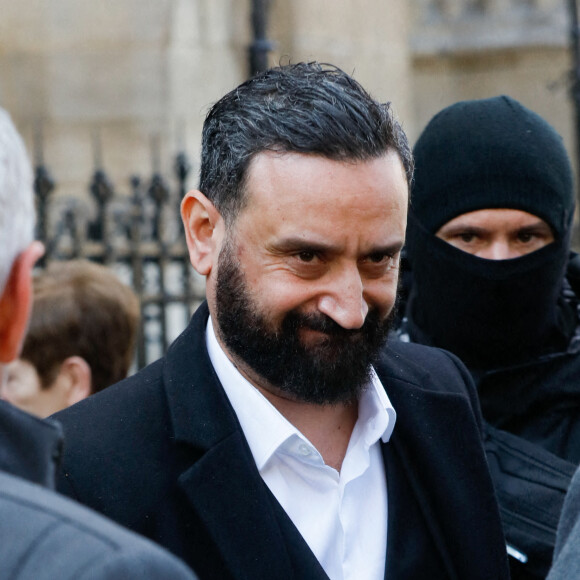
(136, 76)
(139, 76)
(127, 71)
(368, 38)
(467, 49)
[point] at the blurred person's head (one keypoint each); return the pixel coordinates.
(80, 339)
(18, 251)
(489, 232)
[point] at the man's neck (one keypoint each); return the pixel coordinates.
(327, 427)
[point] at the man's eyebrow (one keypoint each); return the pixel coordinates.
(462, 229)
(388, 249)
(297, 244)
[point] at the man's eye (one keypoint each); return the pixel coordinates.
(467, 237)
(306, 256)
(525, 237)
(378, 258)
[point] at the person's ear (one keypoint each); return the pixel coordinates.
(73, 381)
(16, 301)
(204, 230)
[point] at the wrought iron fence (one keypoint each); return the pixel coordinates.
(139, 235)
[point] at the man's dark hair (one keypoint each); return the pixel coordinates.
(308, 108)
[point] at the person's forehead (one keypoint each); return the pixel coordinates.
(348, 206)
(497, 217)
(314, 179)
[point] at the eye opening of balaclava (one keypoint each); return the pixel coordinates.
(486, 154)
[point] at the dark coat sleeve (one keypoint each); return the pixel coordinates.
(436, 369)
(45, 536)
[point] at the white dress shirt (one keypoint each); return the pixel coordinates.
(342, 516)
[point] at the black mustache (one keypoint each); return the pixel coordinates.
(325, 324)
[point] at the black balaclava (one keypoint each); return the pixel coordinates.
(491, 153)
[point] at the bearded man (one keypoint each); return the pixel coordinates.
(263, 445)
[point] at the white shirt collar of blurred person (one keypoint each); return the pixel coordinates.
(341, 516)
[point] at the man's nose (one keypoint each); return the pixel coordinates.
(498, 250)
(344, 301)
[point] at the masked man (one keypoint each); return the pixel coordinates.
(488, 243)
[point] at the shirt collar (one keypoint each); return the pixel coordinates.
(376, 411)
(258, 416)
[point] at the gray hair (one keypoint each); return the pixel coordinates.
(16, 197)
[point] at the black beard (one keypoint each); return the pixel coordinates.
(333, 370)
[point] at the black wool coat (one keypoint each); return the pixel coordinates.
(163, 454)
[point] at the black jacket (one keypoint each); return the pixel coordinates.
(539, 399)
(163, 453)
(29, 447)
(533, 439)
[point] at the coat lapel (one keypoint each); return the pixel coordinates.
(222, 484)
(441, 481)
(232, 504)
(415, 523)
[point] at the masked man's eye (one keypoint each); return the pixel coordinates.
(466, 237)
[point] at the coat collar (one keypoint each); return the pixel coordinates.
(437, 442)
(29, 447)
(195, 396)
(422, 459)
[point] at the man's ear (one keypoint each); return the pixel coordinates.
(204, 230)
(74, 380)
(16, 302)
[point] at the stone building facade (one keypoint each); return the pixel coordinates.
(478, 48)
(126, 83)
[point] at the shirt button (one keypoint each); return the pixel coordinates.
(303, 449)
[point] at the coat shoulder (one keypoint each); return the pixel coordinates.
(57, 538)
(114, 441)
(120, 406)
(425, 366)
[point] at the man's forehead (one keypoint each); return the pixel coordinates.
(321, 201)
(302, 173)
(497, 213)
(496, 218)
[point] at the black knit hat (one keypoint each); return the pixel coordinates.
(491, 153)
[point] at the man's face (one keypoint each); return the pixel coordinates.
(307, 275)
(497, 234)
